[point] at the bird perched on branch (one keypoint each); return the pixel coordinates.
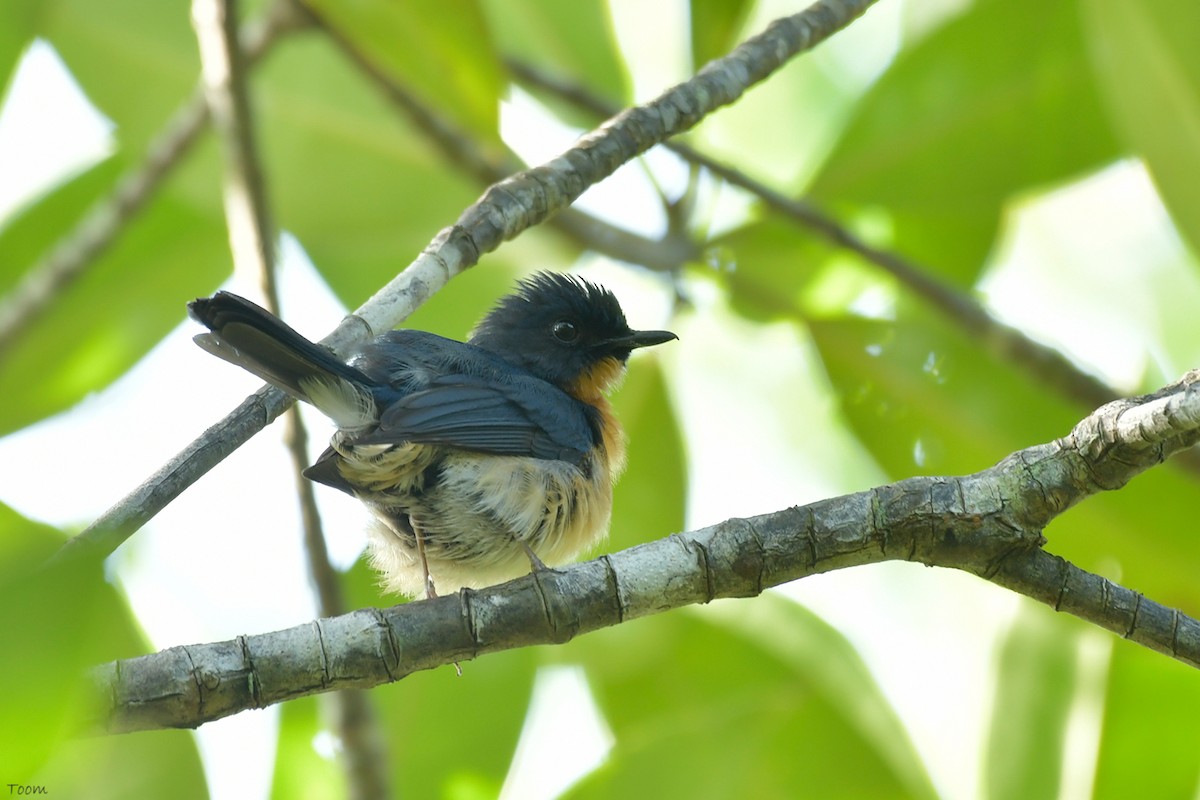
(477, 459)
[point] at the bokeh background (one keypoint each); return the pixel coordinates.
(1036, 160)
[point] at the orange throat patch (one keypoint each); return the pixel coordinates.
(590, 388)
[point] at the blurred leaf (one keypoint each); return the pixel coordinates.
(995, 102)
(1034, 694)
(1151, 731)
(151, 764)
(415, 42)
(122, 45)
(361, 190)
(17, 26)
(120, 307)
(571, 41)
(56, 623)
(766, 266)
(40, 624)
(650, 498)
(746, 699)
(925, 400)
(27, 236)
(1149, 68)
(448, 729)
(716, 27)
(299, 770)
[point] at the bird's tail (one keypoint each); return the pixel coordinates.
(251, 337)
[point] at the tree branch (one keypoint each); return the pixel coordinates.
(506, 209)
(988, 524)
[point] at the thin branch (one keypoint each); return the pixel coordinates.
(107, 218)
(988, 524)
(505, 210)
(252, 239)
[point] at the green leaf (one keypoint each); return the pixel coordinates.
(439, 50)
(136, 61)
(716, 27)
(1146, 58)
(649, 500)
(1034, 693)
(17, 26)
(1151, 732)
(766, 267)
(998, 101)
(435, 748)
(925, 400)
(119, 308)
(360, 189)
(300, 771)
(572, 41)
(153, 764)
(39, 623)
(55, 623)
(743, 699)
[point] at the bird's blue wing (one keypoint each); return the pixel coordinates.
(517, 416)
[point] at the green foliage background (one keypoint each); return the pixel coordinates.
(984, 106)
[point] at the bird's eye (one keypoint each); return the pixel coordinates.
(565, 331)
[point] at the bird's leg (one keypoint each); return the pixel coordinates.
(535, 563)
(430, 591)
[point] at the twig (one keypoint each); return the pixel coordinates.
(988, 524)
(505, 210)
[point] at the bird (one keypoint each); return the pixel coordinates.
(478, 460)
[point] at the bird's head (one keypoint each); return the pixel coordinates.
(564, 330)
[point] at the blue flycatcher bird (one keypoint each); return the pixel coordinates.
(477, 459)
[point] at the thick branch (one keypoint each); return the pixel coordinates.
(506, 209)
(988, 523)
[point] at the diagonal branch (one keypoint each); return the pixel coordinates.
(506, 209)
(988, 523)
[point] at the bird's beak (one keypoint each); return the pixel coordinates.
(643, 339)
